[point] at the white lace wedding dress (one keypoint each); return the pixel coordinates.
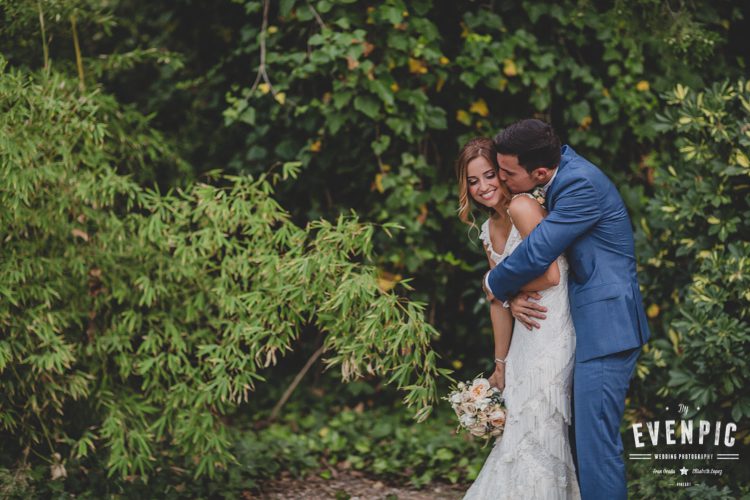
(532, 459)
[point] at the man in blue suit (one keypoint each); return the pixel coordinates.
(588, 222)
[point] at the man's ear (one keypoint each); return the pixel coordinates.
(540, 173)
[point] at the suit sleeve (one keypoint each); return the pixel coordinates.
(576, 211)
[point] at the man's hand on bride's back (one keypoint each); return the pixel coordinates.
(524, 309)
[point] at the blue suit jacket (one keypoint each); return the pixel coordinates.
(588, 221)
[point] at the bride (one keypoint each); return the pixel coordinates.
(532, 459)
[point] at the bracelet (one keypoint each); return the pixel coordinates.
(498, 360)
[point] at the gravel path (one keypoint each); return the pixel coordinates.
(352, 485)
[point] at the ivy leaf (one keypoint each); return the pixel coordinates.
(367, 105)
(285, 7)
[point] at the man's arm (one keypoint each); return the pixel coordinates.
(575, 212)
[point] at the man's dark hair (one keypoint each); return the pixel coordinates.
(534, 142)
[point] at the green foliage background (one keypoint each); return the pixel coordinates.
(154, 310)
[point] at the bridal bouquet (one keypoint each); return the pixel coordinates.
(479, 407)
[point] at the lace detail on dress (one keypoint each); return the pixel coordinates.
(484, 235)
(532, 459)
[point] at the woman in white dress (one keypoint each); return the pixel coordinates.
(532, 459)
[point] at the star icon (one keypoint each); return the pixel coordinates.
(683, 471)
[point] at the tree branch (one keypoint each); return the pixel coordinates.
(77, 47)
(319, 19)
(295, 383)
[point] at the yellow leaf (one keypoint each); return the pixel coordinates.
(684, 120)
(316, 146)
(280, 97)
(457, 364)
(264, 88)
(444, 60)
(386, 280)
(605, 92)
(642, 86)
(463, 117)
(713, 220)
(465, 31)
(653, 311)
(509, 67)
(417, 66)
(394, 87)
(323, 432)
(742, 159)
(479, 107)
(586, 122)
(675, 338)
(439, 84)
(386, 285)
(422, 217)
(351, 63)
(379, 183)
(704, 254)
(272, 30)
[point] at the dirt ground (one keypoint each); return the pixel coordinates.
(352, 486)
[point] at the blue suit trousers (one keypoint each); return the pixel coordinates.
(599, 389)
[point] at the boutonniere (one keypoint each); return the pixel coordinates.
(539, 195)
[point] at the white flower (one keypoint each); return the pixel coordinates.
(483, 403)
(478, 430)
(480, 388)
(467, 420)
(456, 398)
(496, 414)
(469, 408)
(498, 418)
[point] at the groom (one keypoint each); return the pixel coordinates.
(588, 222)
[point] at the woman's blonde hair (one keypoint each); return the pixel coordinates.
(476, 147)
